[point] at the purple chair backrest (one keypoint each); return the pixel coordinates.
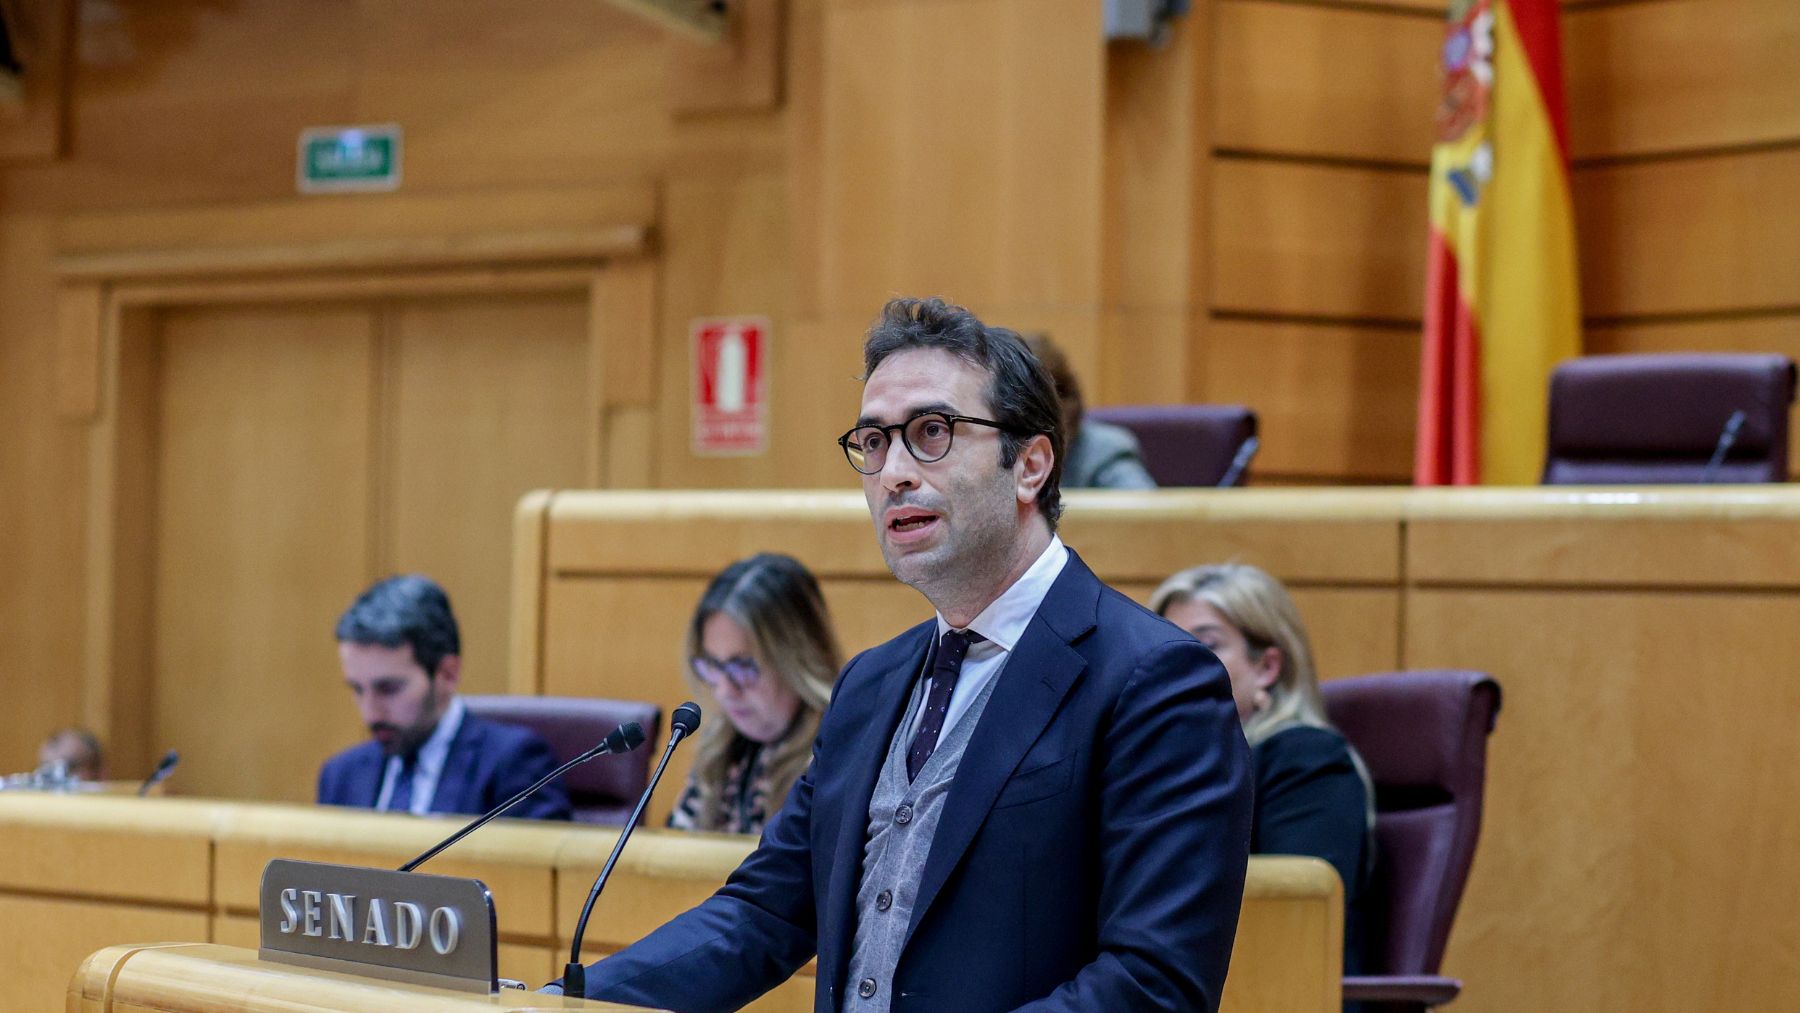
(1185, 444)
(604, 789)
(1424, 736)
(1657, 419)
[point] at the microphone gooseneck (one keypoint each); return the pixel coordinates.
(1727, 438)
(682, 723)
(622, 739)
(161, 773)
(1239, 461)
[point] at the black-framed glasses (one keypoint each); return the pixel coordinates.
(742, 672)
(927, 436)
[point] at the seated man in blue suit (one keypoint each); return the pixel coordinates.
(1038, 799)
(401, 656)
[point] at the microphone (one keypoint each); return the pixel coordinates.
(1239, 461)
(622, 739)
(161, 773)
(681, 724)
(1727, 437)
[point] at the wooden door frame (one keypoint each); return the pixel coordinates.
(108, 307)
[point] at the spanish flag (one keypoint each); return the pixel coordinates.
(1501, 301)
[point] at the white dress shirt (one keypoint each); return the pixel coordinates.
(431, 763)
(1003, 622)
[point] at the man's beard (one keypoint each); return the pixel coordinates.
(981, 542)
(406, 741)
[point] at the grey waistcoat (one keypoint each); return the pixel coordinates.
(903, 819)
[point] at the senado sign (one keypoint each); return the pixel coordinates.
(403, 926)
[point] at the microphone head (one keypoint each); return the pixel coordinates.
(169, 760)
(686, 718)
(625, 738)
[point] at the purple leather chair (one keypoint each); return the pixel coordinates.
(1424, 737)
(1655, 419)
(1188, 444)
(604, 789)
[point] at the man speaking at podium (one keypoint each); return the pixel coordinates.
(1039, 799)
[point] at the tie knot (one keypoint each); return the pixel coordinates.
(959, 641)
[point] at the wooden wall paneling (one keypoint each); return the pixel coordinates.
(803, 141)
(939, 122)
(622, 353)
(1347, 537)
(557, 91)
(655, 533)
(1154, 256)
(108, 848)
(33, 123)
(1691, 235)
(1318, 240)
(724, 252)
(525, 599)
(1680, 75)
(488, 399)
(386, 231)
(622, 638)
(1332, 400)
(263, 533)
(118, 662)
(45, 939)
(1335, 82)
(1719, 551)
(740, 74)
(1605, 812)
(80, 323)
(43, 469)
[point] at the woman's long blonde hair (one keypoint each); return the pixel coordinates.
(777, 601)
(1261, 609)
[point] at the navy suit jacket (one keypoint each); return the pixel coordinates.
(1090, 854)
(488, 763)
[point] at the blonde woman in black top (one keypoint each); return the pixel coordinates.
(761, 643)
(1313, 794)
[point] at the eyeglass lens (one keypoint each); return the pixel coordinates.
(742, 672)
(927, 436)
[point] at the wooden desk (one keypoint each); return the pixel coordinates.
(88, 872)
(206, 978)
(1641, 781)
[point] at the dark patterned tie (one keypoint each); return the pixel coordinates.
(401, 799)
(944, 671)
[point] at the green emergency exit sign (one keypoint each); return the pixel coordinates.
(349, 159)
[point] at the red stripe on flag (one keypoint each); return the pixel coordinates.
(1448, 451)
(1541, 36)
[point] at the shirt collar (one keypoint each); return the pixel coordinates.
(436, 748)
(1003, 622)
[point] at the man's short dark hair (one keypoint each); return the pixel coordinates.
(1022, 395)
(408, 610)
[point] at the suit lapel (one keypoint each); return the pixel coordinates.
(1030, 690)
(374, 771)
(866, 758)
(456, 784)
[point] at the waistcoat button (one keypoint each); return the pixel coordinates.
(867, 988)
(903, 815)
(884, 900)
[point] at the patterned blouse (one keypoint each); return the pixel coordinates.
(745, 801)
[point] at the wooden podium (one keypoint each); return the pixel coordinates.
(209, 978)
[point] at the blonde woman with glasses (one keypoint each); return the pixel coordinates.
(1313, 794)
(761, 643)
